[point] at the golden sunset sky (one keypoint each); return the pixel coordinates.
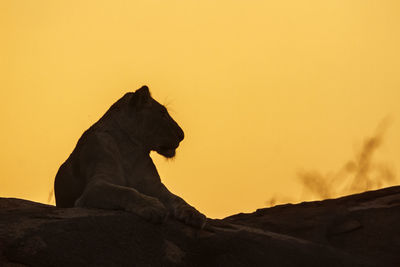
(262, 89)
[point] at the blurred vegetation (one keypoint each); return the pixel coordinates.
(357, 175)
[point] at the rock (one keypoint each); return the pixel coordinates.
(364, 225)
(357, 230)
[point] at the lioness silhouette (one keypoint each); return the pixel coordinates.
(110, 167)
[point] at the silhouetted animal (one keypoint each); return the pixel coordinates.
(111, 168)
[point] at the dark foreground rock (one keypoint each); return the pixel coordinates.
(357, 230)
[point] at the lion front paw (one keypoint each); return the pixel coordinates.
(190, 216)
(152, 210)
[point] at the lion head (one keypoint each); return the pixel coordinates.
(149, 123)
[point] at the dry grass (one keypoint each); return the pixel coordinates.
(357, 175)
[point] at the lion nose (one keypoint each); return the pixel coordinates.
(181, 135)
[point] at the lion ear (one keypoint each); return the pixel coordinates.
(141, 97)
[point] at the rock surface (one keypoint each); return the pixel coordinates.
(357, 230)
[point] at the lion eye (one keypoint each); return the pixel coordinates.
(164, 111)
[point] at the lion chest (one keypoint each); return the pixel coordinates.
(135, 166)
(140, 173)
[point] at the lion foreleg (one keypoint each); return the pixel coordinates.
(105, 195)
(180, 209)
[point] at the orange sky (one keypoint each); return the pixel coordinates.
(263, 89)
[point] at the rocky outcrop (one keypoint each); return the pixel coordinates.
(357, 230)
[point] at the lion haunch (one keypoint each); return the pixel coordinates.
(110, 167)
